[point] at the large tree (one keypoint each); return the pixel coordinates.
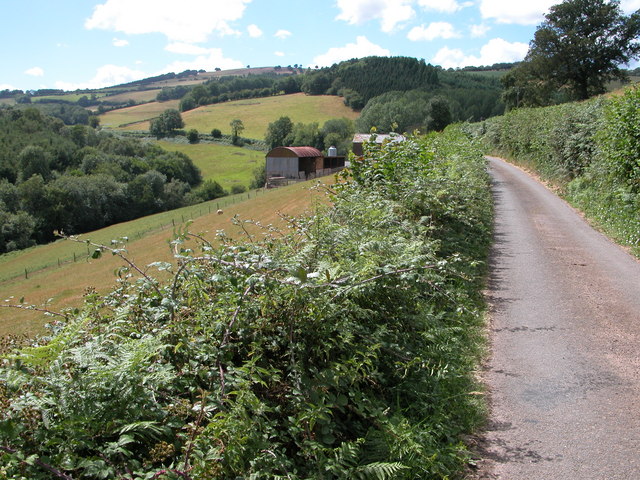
(278, 131)
(236, 129)
(578, 48)
(167, 123)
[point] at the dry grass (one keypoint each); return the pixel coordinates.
(139, 113)
(65, 285)
(255, 113)
(136, 96)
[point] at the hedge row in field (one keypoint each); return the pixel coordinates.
(591, 150)
(342, 347)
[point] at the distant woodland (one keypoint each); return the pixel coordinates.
(396, 93)
(76, 179)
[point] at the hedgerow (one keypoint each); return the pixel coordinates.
(590, 150)
(342, 346)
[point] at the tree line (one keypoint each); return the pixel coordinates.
(76, 179)
(467, 96)
(228, 88)
(337, 132)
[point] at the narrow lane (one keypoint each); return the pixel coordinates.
(564, 372)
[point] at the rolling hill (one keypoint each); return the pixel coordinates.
(256, 114)
(53, 277)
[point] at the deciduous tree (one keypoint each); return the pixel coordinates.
(236, 129)
(278, 131)
(579, 47)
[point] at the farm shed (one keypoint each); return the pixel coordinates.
(294, 162)
(379, 138)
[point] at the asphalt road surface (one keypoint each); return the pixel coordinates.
(564, 372)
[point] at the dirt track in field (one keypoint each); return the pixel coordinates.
(564, 372)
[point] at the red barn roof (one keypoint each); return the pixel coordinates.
(300, 152)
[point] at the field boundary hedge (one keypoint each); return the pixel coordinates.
(343, 346)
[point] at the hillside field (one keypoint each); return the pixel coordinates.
(64, 283)
(137, 96)
(226, 164)
(138, 113)
(255, 113)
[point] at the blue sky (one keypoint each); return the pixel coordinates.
(72, 44)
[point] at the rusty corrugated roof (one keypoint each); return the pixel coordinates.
(302, 152)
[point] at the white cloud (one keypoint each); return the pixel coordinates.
(208, 61)
(479, 30)
(106, 76)
(186, 49)
(188, 21)
(35, 72)
(362, 48)
(118, 42)
(445, 6)
(630, 6)
(530, 12)
(6, 86)
(433, 31)
(390, 13)
(206, 58)
(279, 54)
(496, 50)
(282, 34)
(254, 31)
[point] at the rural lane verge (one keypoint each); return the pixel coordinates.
(563, 375)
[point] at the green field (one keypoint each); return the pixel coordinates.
(256, 114)
(52, 273)
(227, 165)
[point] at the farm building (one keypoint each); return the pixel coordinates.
(360, 138)
(300, 163)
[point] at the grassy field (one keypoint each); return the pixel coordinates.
(256, 114)
(136, 96)
(227, 165)
(53, 274)
(123, 116)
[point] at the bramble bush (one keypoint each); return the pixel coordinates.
(341, 346)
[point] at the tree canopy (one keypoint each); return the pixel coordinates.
(167, 123)
(74, 179)
(576, 50)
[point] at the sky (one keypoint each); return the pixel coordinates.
(78, 44)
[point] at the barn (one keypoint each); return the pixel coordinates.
(298, 163)
(379, 138)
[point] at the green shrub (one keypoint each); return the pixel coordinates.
(340, 347)
(235, 189)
